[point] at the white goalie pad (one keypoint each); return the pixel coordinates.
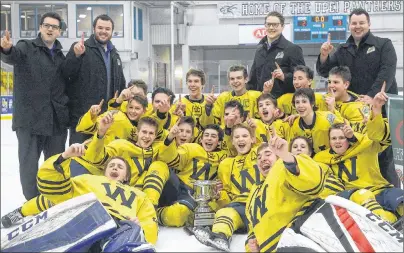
(341, 225)
(292, 242)
(67, 226)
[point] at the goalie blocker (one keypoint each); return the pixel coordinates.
(79, 224)
(340, 225)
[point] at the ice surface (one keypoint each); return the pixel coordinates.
(170, 239)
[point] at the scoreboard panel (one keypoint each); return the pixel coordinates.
(315, 29)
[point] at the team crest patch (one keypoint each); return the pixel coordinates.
(371, 49)
(331, 118)
(279, 55)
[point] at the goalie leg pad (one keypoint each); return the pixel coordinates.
(128, 237)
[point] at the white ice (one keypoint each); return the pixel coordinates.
(170, 239)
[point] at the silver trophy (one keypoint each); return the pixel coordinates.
(204, 192)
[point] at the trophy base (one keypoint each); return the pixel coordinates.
(201, 219)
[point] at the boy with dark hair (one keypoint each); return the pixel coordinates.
(40, 114)
(193, 162)
(237, 76)
(302, 78)
(237, 175)
(95, 72)
(311, 123)
(145, 156)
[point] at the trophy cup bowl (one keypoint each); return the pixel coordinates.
(204, 191)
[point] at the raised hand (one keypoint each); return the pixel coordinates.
(278, 73)
(106, 122)
(278, 145)
(6, 42)
(268, 85)
(379, 100)
(232, 119)
(250, 122)
(96, 109)
(116, 95)
(74, 150)
(210, 98)
(79, 48)
(126, 94)
(330, 100)
(326, 48)
(174, 131)
(348, 131)
(179, 108)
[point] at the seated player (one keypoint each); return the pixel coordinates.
(56, 185)
(145, 156)
(186, 128)
(311, 123)
(334, 186)
(193, 162)
(353, 157)
(302, 78)
(124, 125)
(238, 175)
(292, 184)
(238, 77)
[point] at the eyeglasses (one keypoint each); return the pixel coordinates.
(274, 25)
(47, 26)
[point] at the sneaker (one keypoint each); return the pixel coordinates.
(11, 218)
(220, 242)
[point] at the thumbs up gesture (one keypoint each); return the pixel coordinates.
(6, 42)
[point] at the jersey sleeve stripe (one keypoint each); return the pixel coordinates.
(315, 190)
(273, 241)
(55, 192)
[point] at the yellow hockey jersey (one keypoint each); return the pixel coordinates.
(195, 109)
(248, 100)
(274, 204)
(286, 105)
(354, 111)
(122, 107)
(262, 134)
(121, 128)
(238, 175)
(318, 131)
(138, 158)
(120, 200)
(358, 167)
(194, 163)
